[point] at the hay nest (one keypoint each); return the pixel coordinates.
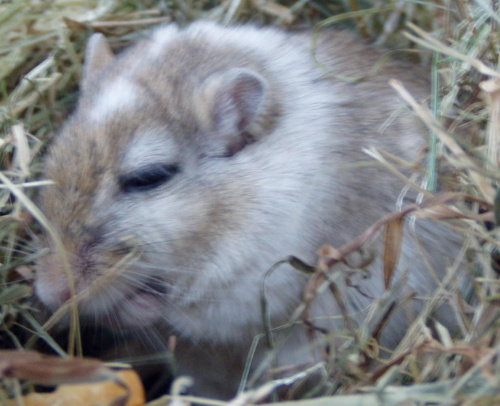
(41, 51)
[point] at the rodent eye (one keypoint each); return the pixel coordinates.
(147, 178)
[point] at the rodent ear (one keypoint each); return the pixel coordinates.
(228, 104)
(97, 55)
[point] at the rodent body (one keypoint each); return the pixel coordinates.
(213, 153)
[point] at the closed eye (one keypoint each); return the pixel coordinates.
(147, 178)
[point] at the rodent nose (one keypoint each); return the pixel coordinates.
(53, 294)
(51, 284)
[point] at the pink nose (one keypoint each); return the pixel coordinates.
(53, 293)
(51, 284)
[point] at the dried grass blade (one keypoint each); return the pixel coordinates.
(274, 9)
(56, 371)
(131, 23)
(8, 357)
(392, 247)
(14, 293)
(491, 88)
(40, 332)
(40, 217)
(352, 15)
(428, 41)
(22, 152)
(431, 122)
(330, 256)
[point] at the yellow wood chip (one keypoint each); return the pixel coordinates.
(100, 393)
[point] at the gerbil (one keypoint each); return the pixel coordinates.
(210, 153)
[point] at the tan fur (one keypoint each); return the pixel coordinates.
(270, 149)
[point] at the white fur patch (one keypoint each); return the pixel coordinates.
(119, 96)
(161, 38)
(150, 147)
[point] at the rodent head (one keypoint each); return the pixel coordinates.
(167, 168)
(140, 167)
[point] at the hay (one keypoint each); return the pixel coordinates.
(41, 52)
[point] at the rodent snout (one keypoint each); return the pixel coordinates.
(51, 284)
